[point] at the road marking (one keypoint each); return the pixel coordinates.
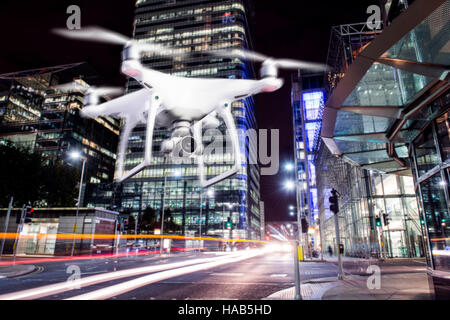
(227, 274)
(127, 286)
(278, 275)
(94, 272)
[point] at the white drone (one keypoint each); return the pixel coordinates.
(183, 105)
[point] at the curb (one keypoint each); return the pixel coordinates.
(13, 274)
(310, 290)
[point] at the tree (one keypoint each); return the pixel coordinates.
(59, 185)
(19, 175)
(28, 177)
(148, 220)
(169, 224)
(131, 224)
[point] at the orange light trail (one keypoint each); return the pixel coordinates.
(112, 236)
(131, 252)
(440, 239)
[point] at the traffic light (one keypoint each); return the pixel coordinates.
(28, 214)
(378, 221)
(228, 224)
(119, 224)
(422, 222)
(126, 224)
(334, 204)
(305, 225)
(18, 217)
(386, 219)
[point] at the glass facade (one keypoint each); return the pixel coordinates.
(195, 27)
(386, 141)
(365, 196)
(308, 97)
(48, 122)
(432, 178)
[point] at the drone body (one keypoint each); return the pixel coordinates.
(191, 99)
(183, 105)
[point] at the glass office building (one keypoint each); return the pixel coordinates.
(47, 121)
(387, 121)
(308, 98)
(195, 27)
(368, 196)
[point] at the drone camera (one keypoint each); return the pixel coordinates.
(184, 147)
(188, 145)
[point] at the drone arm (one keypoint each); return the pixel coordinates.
(129, 104)
(229, 122)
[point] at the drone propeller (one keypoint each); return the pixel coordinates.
(97, 34)
(246, 54)
(278, 63)
(106, 92)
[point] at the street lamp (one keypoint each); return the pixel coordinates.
(177, 173)
(77, 155)
(288, 167)
(289, 185)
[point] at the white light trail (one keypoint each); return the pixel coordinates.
(127, 286)
(52, 289)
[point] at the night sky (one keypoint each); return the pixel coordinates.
(290, 29)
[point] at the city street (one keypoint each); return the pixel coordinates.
(196, 151)
(253, 278)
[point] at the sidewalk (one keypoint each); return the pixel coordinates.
(409, 285)
(393, 287)
(16, 270)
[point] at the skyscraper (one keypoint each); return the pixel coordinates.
(196, 26)
(47, 121)
(308, 97)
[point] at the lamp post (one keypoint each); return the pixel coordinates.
(77, 155)
(290, 185)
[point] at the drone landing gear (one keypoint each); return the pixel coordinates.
(152, 107)
(227, 116)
